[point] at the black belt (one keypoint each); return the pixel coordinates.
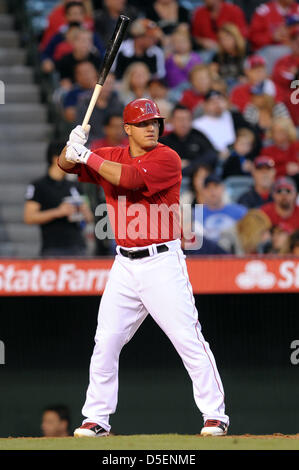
(137, 254)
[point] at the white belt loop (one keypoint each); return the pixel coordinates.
(154, 249)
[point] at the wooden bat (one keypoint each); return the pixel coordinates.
(111, 51)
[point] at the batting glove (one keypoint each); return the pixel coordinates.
(77, 153)
(79, 135)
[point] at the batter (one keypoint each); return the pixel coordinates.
(149, 274)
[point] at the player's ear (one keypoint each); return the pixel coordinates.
(127, 129)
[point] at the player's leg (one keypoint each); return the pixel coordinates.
(167, 295)
(120, 315)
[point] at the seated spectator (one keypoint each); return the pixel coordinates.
(257, 82)
(239, 162)
(142, 47)
(158, 89)
(278, 244)
(283, 208)
(113, 133)
(285, 148)
(86, 77)
(83, 50)
(294, 243)
(285, 71)
(208, 19)
(135, 82)
(189, 143)
(56, 421)
(200, 171)
(218, 215)
(75, 12)
(263, 173)
(268, 24)
(168, 14)
(228, 61)
(107, 103)
(181, 60)
(200, 78)
(247, 235)
(57, 18)
(60, 220)
(261, 111)
(218, 123)
(106, 17)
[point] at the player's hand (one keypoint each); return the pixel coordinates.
(76, 153)
(79, 135)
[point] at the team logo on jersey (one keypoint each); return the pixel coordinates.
(148, 108)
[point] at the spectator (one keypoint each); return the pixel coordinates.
(286, 70)
(141, 47)
(75, 12)
(218, 215)
(283, 208)
(158, 89)
(200, 172)
(60, 220)
(268, 24)
(135, 82)
(200, 78)
(228, 61)
(113, 133)
(57, 18)
(83, 50)
(247, 235)
(189, 143)
(239, 161)
(168, 14)
(106, 17)
(285, 148)
(256, 73)
(86, 78)
(218, 123)
(263, 173)
(208, 19)
(56, 421)
(182, 59)
(294, 243)
(278, 244)
(107, 103)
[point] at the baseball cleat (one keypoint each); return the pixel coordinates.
(90, 430)
(213, 427)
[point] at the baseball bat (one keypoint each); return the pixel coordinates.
(111, 51)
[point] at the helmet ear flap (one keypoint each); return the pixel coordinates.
(161, 127)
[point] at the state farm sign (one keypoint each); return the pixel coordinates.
(208, 275)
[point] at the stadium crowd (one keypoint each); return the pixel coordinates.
(223, 76)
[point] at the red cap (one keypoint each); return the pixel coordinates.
(141, 110)
(254, 61)
(285, 182)
(285, 227)
(263, 160)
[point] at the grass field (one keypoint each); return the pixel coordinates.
(156, 442)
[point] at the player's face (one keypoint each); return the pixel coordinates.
(143, 134)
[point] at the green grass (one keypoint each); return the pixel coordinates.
(154, 442)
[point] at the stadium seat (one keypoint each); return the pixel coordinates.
(237, 185)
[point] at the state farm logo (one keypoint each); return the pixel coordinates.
(256, 275)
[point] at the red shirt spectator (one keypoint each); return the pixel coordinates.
(256, 73)
(209, 18)
(283, 209)
(57, 19)
(285, 71)
(268, 23)
(201, 81)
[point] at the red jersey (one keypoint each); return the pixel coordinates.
(134, 214)
(203, 26)
(292, 220)
(284, 72)
(191, 99)
(241, 94)
(266, 19)
(283, 156)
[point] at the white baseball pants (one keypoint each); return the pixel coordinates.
(158, 285)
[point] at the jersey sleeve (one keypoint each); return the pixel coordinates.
(161, 172)
(33, 193)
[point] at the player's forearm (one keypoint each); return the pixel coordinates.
(63, 162)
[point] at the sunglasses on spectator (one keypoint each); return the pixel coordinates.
(283, 190)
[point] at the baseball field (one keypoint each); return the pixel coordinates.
(156, 442)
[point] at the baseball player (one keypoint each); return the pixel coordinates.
(149, 274)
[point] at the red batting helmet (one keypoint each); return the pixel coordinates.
(141, 110)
